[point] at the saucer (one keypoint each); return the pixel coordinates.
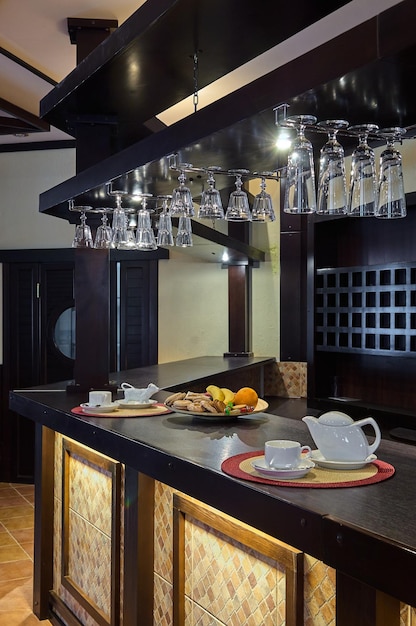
(321, 461)
(104, 408)
(132, 404)
(259, 464)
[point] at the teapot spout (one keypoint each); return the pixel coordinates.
(313, 425)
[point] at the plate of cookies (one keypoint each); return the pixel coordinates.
(206, 407)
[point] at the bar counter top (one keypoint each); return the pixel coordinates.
(367, 532)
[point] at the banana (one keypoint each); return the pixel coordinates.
(215, 392)
(228, 395)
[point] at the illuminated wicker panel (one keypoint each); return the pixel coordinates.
(229, 573)
(90, 533)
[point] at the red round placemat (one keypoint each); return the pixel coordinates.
(239, 466)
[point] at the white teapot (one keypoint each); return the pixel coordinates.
(339, 438)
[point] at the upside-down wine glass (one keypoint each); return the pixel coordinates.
(262, 210)
(181, 203)
(164, 228)
(119, 223)
(391, 195)
(332, 185)
(104, 234)
(300, 193)
(184, 234)
(83, 236)
(211, 204)
(238, 209)
(362, 201)
(145, 236)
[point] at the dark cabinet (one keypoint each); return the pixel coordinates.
(362, 316)
(39, 334)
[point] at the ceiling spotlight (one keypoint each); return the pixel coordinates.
(283, 139)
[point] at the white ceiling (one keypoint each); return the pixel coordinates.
(35, 32)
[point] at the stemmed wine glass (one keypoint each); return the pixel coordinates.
(391, 195)
(300, 194)
(211, 204)
(83, 235)
(262, 210)
(332, 186)
(238, 209)
(362, 200)
(145, 237)
(184, 234)
(181, 203)
(164, 229)
(119, 224)
(104, 234)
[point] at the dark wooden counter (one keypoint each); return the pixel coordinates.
(368, 534)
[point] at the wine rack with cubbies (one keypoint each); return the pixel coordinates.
(368, 310)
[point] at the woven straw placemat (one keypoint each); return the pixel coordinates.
(155, 409)
(240, 466)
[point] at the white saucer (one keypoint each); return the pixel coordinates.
(132, 404)
(301, 470)
(321, 461)
(104, 408)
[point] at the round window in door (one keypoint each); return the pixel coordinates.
(64, 332)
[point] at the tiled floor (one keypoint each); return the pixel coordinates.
(16, 555)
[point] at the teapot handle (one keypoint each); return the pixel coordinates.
(126, 386)
(373, 423)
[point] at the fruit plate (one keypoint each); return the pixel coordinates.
(260, 407)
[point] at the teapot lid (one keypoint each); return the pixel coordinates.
(335, 418)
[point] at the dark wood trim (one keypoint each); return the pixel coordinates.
(44, 520)
(138, 548)
(239, 315)
(361, 605)
(31, 146)
(26, 66)
(34, 123)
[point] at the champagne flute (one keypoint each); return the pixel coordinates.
(362, 200)
(332, 185)
(119, 224)
(300, 194)
(391, 195)
(164, 232)
(184, 234)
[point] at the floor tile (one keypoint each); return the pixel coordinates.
(14, 499)
(12, 553)
(16, 556)
(6, 539)
(17, 523)
(21, 535)
(16, 570)
(7, 512)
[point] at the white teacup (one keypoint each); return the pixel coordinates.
(284, 454)
(99, 398)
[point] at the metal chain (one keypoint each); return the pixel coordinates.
(195, 96)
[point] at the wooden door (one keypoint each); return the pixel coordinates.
(35, 295)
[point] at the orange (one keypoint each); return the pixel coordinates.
(246, 395)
